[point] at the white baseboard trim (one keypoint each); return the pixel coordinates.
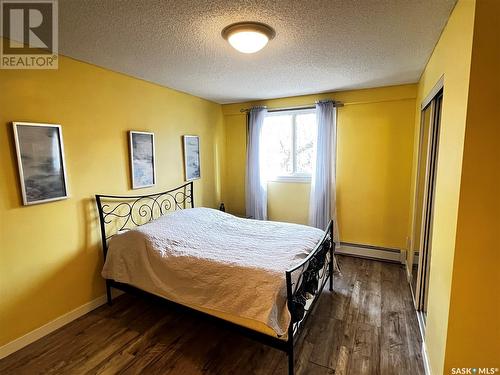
(427, 367)
(421, 324)
(421, 328)
(50, 327)
(372, 252)
(408, 275)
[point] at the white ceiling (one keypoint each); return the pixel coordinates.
(320, 45)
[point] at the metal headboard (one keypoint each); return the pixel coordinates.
(118, 213)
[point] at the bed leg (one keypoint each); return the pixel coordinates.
(290, 362)
(289, 343)
(330, 266)
(108, 293)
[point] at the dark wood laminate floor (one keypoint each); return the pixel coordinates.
(366, 326)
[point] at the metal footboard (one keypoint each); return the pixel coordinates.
(304, 284)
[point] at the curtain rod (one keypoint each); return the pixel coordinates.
(283, 109)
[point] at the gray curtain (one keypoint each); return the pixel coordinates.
(322, 205)
(256, 186)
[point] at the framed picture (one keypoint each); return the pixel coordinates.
(40, 158)
(192, 157)
(142, 159)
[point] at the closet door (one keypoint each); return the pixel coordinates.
(424, 203)
(429, 204)
(423, 153)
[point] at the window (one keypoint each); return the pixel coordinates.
(288, 144)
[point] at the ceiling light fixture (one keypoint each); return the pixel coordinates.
(248, 37)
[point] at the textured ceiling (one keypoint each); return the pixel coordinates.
(320, 45)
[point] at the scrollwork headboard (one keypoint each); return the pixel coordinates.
(119, 213)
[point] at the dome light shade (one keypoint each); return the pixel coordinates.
(248, 37)
(248, 41)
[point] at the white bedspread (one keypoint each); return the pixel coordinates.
(207, 258)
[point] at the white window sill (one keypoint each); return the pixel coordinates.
(300, 179)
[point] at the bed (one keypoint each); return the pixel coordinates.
(260, 278)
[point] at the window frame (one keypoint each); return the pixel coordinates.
(294, 176)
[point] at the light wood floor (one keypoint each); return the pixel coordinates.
(366, 326)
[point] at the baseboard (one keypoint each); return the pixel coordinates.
(421, 328)
(50, 327)
(427, 367)
(408, 274)
(370, 252)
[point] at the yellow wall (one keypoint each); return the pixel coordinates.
(50, 256)
(474, 323)
(288, 201)
(451, 58)
(375, 140)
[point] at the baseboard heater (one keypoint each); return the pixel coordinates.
(371, 252)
